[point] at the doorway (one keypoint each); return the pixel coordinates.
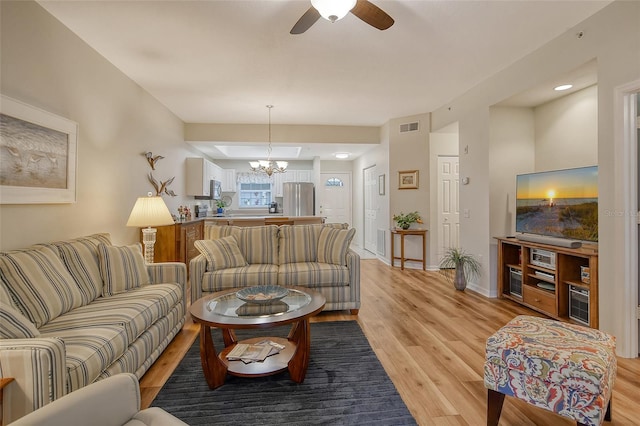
(335, 197)
(370, 203)
(448, 219)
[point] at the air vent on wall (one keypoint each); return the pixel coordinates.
(409, 127)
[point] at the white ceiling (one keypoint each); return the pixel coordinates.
(215, 61)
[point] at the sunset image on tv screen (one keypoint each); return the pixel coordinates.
(559, 203)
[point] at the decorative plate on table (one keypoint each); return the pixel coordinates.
(262, 294)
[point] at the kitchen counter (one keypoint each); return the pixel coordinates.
(272, 219)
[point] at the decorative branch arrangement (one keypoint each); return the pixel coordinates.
(160, 186)
(151, 159)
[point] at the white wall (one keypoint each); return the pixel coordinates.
(378, 157)
(45, 65)
(566, 131)
(612, 37)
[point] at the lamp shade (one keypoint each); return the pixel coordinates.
(150, 211)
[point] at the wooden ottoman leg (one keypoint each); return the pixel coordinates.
(494, 407)
(607, 415)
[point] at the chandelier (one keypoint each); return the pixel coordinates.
(267, 166)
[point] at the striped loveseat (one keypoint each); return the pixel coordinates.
(313, 256)
(74, 312)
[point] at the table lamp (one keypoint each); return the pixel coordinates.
(147, 212)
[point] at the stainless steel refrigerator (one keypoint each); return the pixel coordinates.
(298, 199)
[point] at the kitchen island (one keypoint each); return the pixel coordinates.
(263, 220)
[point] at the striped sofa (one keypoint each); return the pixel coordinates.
(75, 312)
(313, 256)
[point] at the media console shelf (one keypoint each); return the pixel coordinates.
(559, 282)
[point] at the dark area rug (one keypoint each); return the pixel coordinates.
(345, 385)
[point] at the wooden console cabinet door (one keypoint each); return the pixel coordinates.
(175, 243)
(190, 233)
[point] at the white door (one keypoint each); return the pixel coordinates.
(370, 202)
(448, 208)
(335, 197)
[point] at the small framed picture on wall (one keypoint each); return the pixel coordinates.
(408, 179)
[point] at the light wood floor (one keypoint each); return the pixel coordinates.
(430, 339)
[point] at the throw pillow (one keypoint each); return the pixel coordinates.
(222, 253)
(122, 268)
(80, 256)
(14, 325)
(39, 284)
(333, 245)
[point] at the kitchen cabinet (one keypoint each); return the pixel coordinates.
(290, 176)
(229, 181)
(200, 172)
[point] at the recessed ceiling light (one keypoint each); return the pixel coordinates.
(341, 155)
(563, 87)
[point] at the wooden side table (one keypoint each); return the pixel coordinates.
(419, 232)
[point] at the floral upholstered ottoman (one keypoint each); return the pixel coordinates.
(565, 368)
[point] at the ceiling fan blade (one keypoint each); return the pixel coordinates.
(372, 15)
(306, 21)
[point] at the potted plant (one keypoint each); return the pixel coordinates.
(464, 265)
(404, 221)
(220, 205)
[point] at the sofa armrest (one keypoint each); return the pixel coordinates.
(353, 264)
(197, 268)
(112, 401)
(38, 366)
(170, 272)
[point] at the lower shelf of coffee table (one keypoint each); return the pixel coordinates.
(271, 365)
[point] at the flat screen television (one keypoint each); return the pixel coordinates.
(558, 203)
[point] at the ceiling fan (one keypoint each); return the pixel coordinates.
(334, 10)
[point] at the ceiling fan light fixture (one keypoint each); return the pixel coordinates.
(333, 10)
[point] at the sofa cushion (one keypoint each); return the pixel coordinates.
(14, 325)
(333, 245)
(135, 310)
(299, 243)
(245, 276)
(90, 350)
(122, 268)
(39, 283)
(313, 274)
(258, 244)
(221, 253)
(80, 256)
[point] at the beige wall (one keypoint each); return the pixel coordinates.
(286, 133)
(612, 37)
(566, 131)
(410, 151)
(45, 65)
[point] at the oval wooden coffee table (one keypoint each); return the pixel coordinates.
(225, 311)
